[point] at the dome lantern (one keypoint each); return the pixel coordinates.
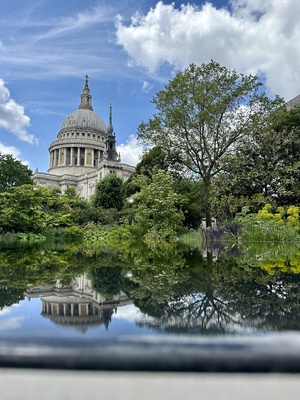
(86, 98)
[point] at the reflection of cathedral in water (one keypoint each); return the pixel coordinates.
(77, 305)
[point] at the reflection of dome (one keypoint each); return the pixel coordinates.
(77, 306)
(74, 312)
(84, 118)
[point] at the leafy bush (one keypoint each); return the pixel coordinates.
(282, 225)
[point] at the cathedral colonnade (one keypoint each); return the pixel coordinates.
(75, 156)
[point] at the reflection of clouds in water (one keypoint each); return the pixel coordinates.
(129, 313)
(8, 310)
(11, 323)
(5, 311)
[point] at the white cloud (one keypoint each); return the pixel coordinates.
(39, 46)
(11, 323)
(130, 313)
(12, 117)
(14, 151)
(258, 37)
(80, 21)
(131, 151)
(5, 311)
(146, 86)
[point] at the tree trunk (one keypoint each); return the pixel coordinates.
(207, 201)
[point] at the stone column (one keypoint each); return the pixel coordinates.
(78, 156)
(88, 157)
(64, 156)
(85, 156)
(71, 156)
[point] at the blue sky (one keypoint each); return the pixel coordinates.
(129, 49)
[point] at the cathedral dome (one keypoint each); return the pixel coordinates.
(84, 118)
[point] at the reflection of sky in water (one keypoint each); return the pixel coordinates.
(25, 320)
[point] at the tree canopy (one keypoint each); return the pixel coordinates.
(158, 158)
(109, 193)
(13, 173)
(29, 208)
(156, 207)
(202, 114)
(264, 168)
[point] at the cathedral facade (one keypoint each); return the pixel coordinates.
(84, 152)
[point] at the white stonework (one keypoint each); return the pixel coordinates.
(295, 102)
(84, 152)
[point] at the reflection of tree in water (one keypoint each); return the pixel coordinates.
(108, 281)
(226, 299)
(273, 305)
(194, 308)
(156, 273)
(9, 296)
(182, 290)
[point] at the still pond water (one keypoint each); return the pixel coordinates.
(69, 294)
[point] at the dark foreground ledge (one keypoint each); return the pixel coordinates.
(279, 353)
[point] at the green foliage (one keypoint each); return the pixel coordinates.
(108, 192)
(35, 209)
(174, 284)
(31, 266)
(70, 192)
(12, 239)
(153, 160)
(107, 280)
(13, 173)
(192, 201)
(201, 114)
(266, 226)
(86, 212)
(94, 236)
(192, 192)
(10, 296)
(158, 158)
(156, 213)
(265, 167)
(286, 120)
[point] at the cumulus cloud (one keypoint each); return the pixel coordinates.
(12, 116)
(14, 151)
(131, 151)
(131, 314)
(253, 36)
(11, 323)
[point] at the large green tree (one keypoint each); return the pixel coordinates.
(265, 168)
(158, 158)
(155, 159)
(13, 173)
(109, 192)
(202, 114)
(156, 213)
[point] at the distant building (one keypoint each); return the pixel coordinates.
(293, 103)
(84, 152)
